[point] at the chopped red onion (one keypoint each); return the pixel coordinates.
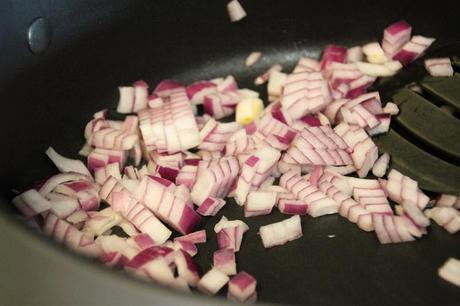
(402, 189)
(333, 53)
(210, 206)
(187, 246)
(395, 36)
(450, 271)
(252, 58)
(292, 207)
(372, 199)
(354, 54)
(31, 203)
(216, 180)
(281, 232)
(255, 170)
(264, 77)
(448, 200)
(381, 165)
(187, 268)
(158, 270)
(63, 232)
(276, 82)
(391, 108)
(359, 86)
(447, 217)
(77, 217)
(413, 49)
(306, 64)
(392, 229)
(214, 135)
(58, 179)
(303, 190)
(169, 208)
(66, 164)
(242, 286)
(318, 146)
(62, 206)
(365, 152)
(140, 216)
(141, 241)
(166, 87)
(230, 233)
(150, 254)
(198, 90)
(235, 11)
(102, 173)
(212, 281)
(305, 93)
(224, 260)
(195, 237)
(439, 67)
(259, 203)
(379, 70)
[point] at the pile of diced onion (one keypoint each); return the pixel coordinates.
(165, 167)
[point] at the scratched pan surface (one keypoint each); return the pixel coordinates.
(48, 99)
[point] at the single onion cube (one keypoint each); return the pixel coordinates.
(252, 58)
(439, 67)
(235, 11)
(450, 271)
(242, 286)
(212, 281)
(259, 203)
(281, 232)
(224, 260)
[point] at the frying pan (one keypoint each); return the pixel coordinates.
(84, 49)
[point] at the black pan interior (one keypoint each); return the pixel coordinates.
(48, 100)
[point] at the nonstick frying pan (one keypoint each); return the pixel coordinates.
(84, 49)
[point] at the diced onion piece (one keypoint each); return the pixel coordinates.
(276, 82)
(354, 54)
(381, 165)
(230, 233)
(395, 36)
(413, 49)
(377, 70)
(252, 58)
(264, 77)
(447, 217)
(242, 286)
(391, 108)
(210, 206)
(448, 200)
(235, 11)
(66, 164)
(195, 237)
(259, 203)
(224, 260)
(212, 281)
(187, 268)
(31, 203)
(450, 271)
(281, 232)
(439, 67)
